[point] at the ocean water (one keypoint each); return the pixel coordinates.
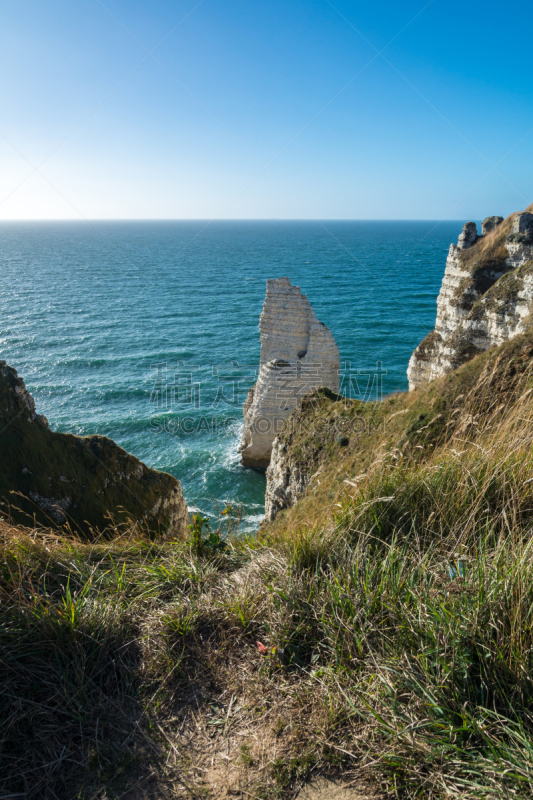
(147, 331)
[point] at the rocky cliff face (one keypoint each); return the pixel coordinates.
(298, 355)
(322, 430)
(287, 480)
(86, 481)
(485, 299)
(333, 444)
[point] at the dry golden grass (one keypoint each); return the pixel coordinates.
(489, 251)
(405, 429)
(395, 624)
(131, 669)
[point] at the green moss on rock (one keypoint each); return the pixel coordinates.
(88, 482)
(425, 349)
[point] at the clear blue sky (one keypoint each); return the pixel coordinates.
(292, 109)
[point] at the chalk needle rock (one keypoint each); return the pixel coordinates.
(298, 355)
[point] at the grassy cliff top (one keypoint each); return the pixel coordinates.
(405, 428)
(484, 260)
(384, 634)
(489, 251)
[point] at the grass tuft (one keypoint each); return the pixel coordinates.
(390, 640)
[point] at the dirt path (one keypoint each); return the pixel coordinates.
(327, 789)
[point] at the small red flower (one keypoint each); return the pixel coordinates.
(262, 649)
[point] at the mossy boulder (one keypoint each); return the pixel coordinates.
(86, 482)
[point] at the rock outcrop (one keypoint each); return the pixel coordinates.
(318, 432)
(468, 236)
(485, 298)
(489, 223)
(333, 444)
(89, 482)
(287, 480)
(298, 355)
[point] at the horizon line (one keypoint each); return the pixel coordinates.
(232, 219)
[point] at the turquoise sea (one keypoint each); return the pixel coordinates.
(147, 331)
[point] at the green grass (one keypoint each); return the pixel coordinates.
(398, 632)
(88, 656)
(389, 652)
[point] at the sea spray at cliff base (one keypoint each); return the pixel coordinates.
(146, 332)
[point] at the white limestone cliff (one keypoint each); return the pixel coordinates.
(485, 298)
(286, 481)
(298, 355)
